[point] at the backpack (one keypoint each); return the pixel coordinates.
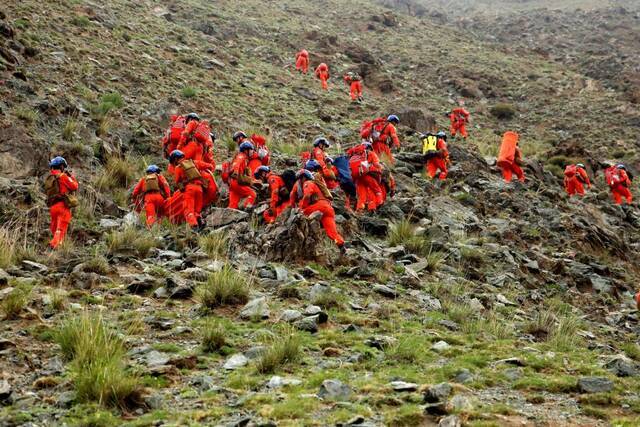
(52, 190)
(612, 175)
(344, 175)
(429, 145)
(371, 130)
(190, 170)
(152, 183)
(570, 171)
(175, 130)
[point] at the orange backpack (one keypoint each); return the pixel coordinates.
(371, 130)
(570, 171)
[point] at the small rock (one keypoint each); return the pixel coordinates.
(256, 309)
(380, 342)
(255, 352)
(449, 324)
(334, 390)
(403, 386)
(309, 324)
(182, 292)
(5, 390)
(312, 310)
(595, 385)
(622, 366)
(168, 255)
(109, 224)
(513, 374)
(34, 267)
(277, 382)
(290, 315)
(440, 346)
(141, 283)
(66, 399)
(463, 376)
(203, 383)
(450, 421)
(154, 401)
(308, 272)
(459, 403)
(219, 217)
(502, 299)
(437, 393)
(155, 358)
(236, 361)
(385, 291)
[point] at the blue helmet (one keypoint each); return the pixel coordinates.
(153, 169)
(321, 140)
(441, 134)
(621, 166)
(367, 145)
(175, 155)
(312, 165)
(580, 165)
(236, 136)
(328, 159)
(393, 119)
(260, 169)
(57, 161)
(246, 146)
(303, 173)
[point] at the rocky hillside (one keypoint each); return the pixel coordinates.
(468, 302)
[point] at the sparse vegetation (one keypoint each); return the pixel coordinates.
(189, 92)
(130, 239)
(215, 244)
(26, 114)
(225, 287)
(213, 335)
(117, 173)
(15, 302)
(503, 111)
(285, 349)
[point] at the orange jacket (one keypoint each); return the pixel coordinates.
(322, 71)
(459, 116)
(621, 173)
(179, 174)
(276, 183)
(303, 53)
(441, 146)
(389, 133)
(140, 187)
(583, 176)
(311, 194)
(66, 181)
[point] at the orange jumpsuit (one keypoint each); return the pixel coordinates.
(575, 184)
(508, 169)
(260, 143)
(459, 118)
(322, 72)
(194, 149)
(328, 172)
(367, 183)
(276, 204)
(193, 192)
(355, 87)
(239, 182)
(302, 61)
(381, 145)
(314, 201)
(153, 200)
(173, 135)
(59, 212)
(620, 188)
(439, 162)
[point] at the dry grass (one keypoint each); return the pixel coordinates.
(225, 287)
(284, 349)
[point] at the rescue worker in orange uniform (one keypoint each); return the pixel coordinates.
(619, 182)
(388, 138)
(436, 154)
(261, 155)
(188, 177)
(322, 72)
(196, 142)
(366, 170)
(355, 85)
(153, 189)
(60, 187)
(173, 134)
(302, 61)
(279, 191)
(575, 178)
(240, 178)
(459, 118)
(510, 157)
(307, 196)
(318, 154)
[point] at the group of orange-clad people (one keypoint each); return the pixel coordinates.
(362, 173)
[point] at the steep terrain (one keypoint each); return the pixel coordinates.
(468, 302)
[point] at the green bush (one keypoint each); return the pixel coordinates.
(284, 349)
(130, 239)
(503, 111)
(189, 92)
(15, 302)
(224, 287)
(213, 335)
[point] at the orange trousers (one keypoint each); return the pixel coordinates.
(302, 64)
(238, 192)
(436, 164)
(271, 217)
(574, 186)
(356, 90)
(620, 192)
(192, 203)
(368, 192)
(60, 219)
(459, 127)
(508, 169)
(328, 219)
(323, 79)
(382, 149)
(153, 207)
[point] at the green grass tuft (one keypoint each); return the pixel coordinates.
(225, 287)
(284, 349)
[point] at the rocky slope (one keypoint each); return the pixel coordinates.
(469, 302)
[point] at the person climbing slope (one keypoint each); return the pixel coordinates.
(60, 187)
(240, 178)
(619, 181)
(365, 170)
(279, 189)
(434, 150)
(575, 178)
(151, 191)
(354, 81)
(459, 118)
(188, 177)
(302, 61)
(322, 72)
(510, 157)
(307, 196)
